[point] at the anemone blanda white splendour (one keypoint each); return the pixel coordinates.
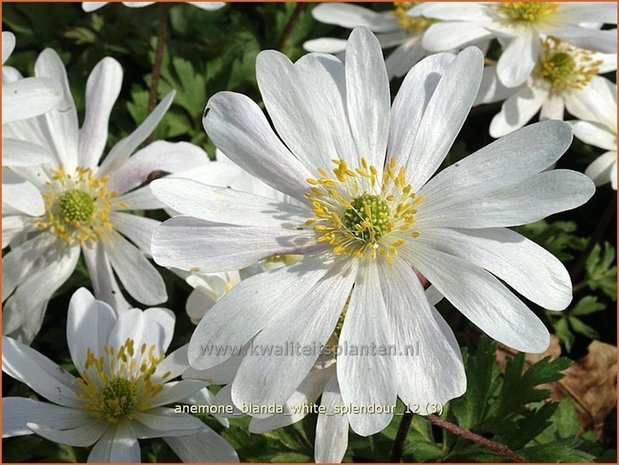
(125, 381)
(519, 26)
(363, 226)
(79, 203)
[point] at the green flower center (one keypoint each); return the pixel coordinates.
(76, 206)
(369, 217)
(119, 397)
(528, 12)
(564, 66)
(558, 67)
(413, 24)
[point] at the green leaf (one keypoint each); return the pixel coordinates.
(560, 451)
(581, 328)
(586, 306)
(601, 274)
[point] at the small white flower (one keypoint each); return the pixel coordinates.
(393, 29)
(209, 6)
(365, 224)
(124, 384)
(80, 205)
(596, 106)
(561, 74)
(519, 26)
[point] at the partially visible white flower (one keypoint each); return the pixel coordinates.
(393, 29)
(22, 99)
(519, 26)
(596, 106)
(561, 74)
(92, 6)
(80, 205)
(125, 383)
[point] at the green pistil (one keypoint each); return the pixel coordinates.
(76, 206)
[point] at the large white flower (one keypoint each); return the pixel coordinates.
(596, 107)
(124, 384)
(80, 204)
(366, 224)
(393, 29)
(519, 26)
(562, 73)
(209, 6)
(22, 99)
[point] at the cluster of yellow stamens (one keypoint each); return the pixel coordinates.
(361, 213)
(526, 12)
(77, 206)
(119, 384)
(566, 67)
(414, 24)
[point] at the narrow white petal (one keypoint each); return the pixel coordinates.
(429, 366)
(140, 199)
(117, 444)
(19, 411)
(552, 108)
(12, 227)
(351, 16)
(205, 446)
(402, 59)
(368, 99)
(20, 195)
(596, 102)
(367, 380)
(197, 245)
(331, 429)
(140, 278)
(460, 11)
(518, 59)
(80, 436)
(158, 422)
(39, 373)
(138, 229)
(92, 6)
(102, 277)
(517, 110)
(595, 134)
(448, 35)
(208, 6)
(177, 391)
(29, 97)
(8, 45)
(21, 153)
(491, 89)
(603, 168)
(175, 363)
(239, 129)
(325, 45)
(102, 90)
(483, 300)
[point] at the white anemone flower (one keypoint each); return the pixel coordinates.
(209, 6)
(393, 29)
(124, 383)
(596, 107)
(22, 99)
(82, 204)
(519, 26)
(365, 225)
(562, 75)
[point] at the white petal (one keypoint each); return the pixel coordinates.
(448, 35)
(411, 102)
(539, 196)
(325, 45)
(483, 300)
(552, 108)
(62, 120)
(239, 128)
(519, 262)
(518, 59)
(121, 152)
(140, 199)
(429, 366)
(526, 152)
(18, 411)
(595, 134)
(351, 16)
(603, 168)
(8, 44)
(158, 156)
(102, 277)
(604, 41)
(177, 391)
(223, 205)
(597, 12)
(460, 11)
(21, 153)
(159, 422)
(402, 59)
(205, 446)
(20, 195)
(296, 407)
(491, 89)
(305, 101)
(29, 97)
(266, 377)
(140, 278)
(102, 90)
(197, 245)
(368, 99)
(39, 373)
(331, 429)
(208, 6)
(175, 363)
(517, 110)
(596, 102)
(118, 444)
(445, 115)
(89, 323)
(92, 6)
(252, 305)
(80, 436)
(139, 229)
(367, 380)
(12, 226)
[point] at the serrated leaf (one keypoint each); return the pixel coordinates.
(586, 306)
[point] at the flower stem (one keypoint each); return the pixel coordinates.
(400, 438)
(162, 33)
(469, 435)
(292, 22)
